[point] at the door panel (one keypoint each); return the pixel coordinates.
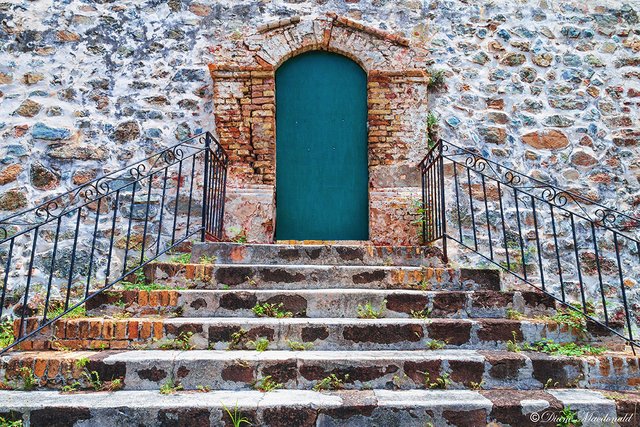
(321, 149)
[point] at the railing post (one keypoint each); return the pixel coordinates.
(443, 209)
(205, 187)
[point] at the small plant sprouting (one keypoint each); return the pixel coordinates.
(573, 319)
(203, 388)
(237, 339)
(94, 381)
(367, 311)
(9, 423)
(436, 344)
(271, 310)
(70, 388)
(261, 344)
(82, 362)
(332, 382)
(141, 286)
(399, 382)
(441, 382)
(550, 384)
(267, 384)
(170, 387)
(476, 386)
(514, 314)
(6, 333)
(512, 345)
(93, 378)
(207, 259)
(549, 346)
(239, 235)
(569, 418)
(299, 346)
(425, 313)
(432, 129)
(181, 342)
(237, 419)
(29, 381)
(437, 79)
(57, 309)
(184, 258)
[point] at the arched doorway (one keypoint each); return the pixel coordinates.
(321, 149)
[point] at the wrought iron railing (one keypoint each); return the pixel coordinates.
(581, 253)
(57, 255)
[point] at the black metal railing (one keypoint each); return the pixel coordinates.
(57, 255)
(581, 253)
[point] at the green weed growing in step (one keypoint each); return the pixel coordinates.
(261, 344)
(184, 258)
(299, 346)
(419, 213)
(425, 313)
(435, 345)
(82, 362)
(56, 310)
(203, 388)
(239, 235)
(512, 345)
(267, 384)
(514, 314)
(476, 386)
(368, 311)
(568, 418)
(550, 384)
(237, 419)
(141, 286)
(549, 346)
(6, 333)
(181, 342)
(332, 382)
(237, 339)
(70, 388)
(442, 382)
(9, 423)
(207, 259)
(170, 387)
(573, 319)
(424, 285)
(271, 310)
(29, 380)
(93, 380)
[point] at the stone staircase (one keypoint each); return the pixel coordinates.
(347, 336)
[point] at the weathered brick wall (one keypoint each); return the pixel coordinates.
(549, 87)
(244, 88)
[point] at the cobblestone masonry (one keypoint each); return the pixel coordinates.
(549, 87)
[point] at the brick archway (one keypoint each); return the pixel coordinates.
(244, 100)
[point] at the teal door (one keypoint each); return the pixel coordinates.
(321, 149)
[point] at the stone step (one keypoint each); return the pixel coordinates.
(289, 277)
(322, 303)
(340, 254)
(304, 370)
(323, 333)
(287, 408)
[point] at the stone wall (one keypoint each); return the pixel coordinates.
(548, 87)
